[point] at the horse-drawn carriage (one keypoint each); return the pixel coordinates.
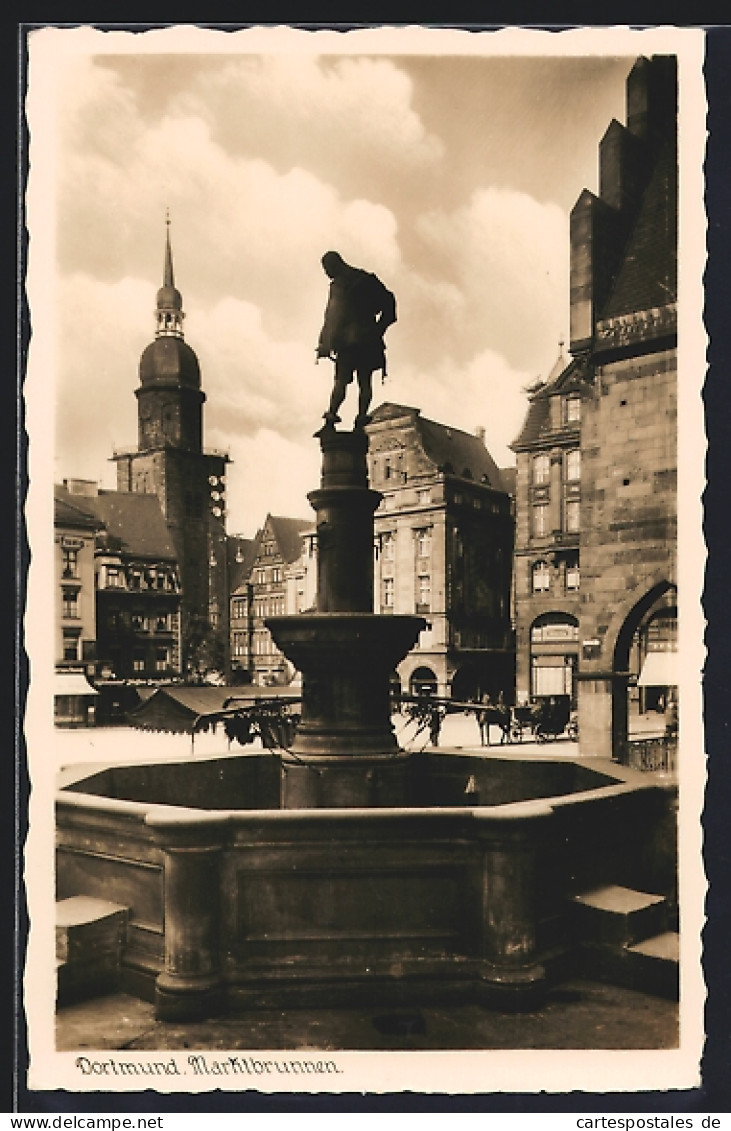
(545, 718)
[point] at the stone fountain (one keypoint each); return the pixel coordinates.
(345, 752)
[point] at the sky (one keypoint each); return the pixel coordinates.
(450, 174)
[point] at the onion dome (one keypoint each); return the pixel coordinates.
(169, 360)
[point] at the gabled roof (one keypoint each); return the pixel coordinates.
(67, 513)
(288, 535)
(451, 450)
(563, 378)
(136, 520)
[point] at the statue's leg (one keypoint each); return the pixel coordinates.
(340, 385)
(365, 392)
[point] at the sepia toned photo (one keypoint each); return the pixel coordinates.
(366, 452)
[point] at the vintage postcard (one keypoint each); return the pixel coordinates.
(365, 455)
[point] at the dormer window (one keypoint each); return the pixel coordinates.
(572, 409)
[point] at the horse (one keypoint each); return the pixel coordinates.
(500, 716)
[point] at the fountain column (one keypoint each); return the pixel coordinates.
(345, 751)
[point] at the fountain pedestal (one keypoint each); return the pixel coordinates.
(345, 752)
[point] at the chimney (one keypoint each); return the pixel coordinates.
(87, 487)
(480, 433)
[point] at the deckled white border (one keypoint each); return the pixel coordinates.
(448, 1071)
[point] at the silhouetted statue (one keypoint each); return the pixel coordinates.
(358, 313)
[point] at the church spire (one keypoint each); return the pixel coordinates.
(169, 300)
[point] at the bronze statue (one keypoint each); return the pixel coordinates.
(358, 313)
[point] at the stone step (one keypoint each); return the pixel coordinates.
(90, 936)
(619, 916)
(651, 966)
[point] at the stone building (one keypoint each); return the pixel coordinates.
(547, 585)
(444, 534)
(75, 531)
(136, 584)
(623, 375)
(261, 594)
(170, 463)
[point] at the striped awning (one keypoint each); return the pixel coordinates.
(660, 669)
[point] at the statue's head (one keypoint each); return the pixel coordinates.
(333, 264)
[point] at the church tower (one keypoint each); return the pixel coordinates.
(189, 482)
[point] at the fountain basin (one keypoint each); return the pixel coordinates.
(267, 907)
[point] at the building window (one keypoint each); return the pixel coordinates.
(135, 579)
(423, 497)
(572, 516)
(573, 465)
(572, 409)
(162, 659)
(540, 520)
(572, 577)
(70, 602)
(541, 574)
(71, 646)
(70, 563)
(114, 578)
(388, 546)
(138, 662)
(541, 469)
(423, 543)
(238, 607)
(388, 592)
(139, 622)
(162, 622)
(239, 642)
(261, 577)
(276, 574)
(423, 593)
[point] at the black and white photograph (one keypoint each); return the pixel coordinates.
(365, 455)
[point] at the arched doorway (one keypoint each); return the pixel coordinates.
(554, 654)
(423, 682)
(645, 652)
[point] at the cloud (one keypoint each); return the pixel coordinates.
(269, 475)
(508, 255)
